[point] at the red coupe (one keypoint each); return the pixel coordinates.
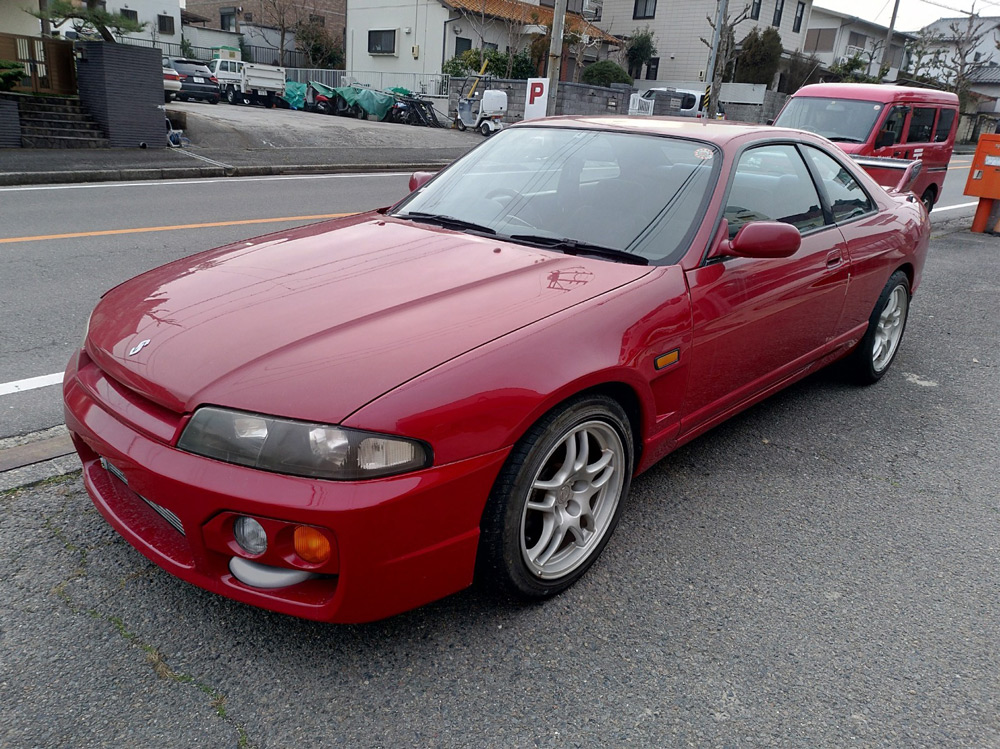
(350, 419)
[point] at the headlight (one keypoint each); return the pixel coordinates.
(299, 448)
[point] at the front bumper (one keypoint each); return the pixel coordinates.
(401, 541)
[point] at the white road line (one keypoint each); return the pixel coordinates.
(32, 383)
(955, 207)
(220, 180)
(194, 155)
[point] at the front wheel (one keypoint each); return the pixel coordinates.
(460, 125)
(880, 344)
(558, 498)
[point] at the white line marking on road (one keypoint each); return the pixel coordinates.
(32, 383)
(219, 180)
(954, 207)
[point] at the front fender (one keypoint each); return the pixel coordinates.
(485, 399)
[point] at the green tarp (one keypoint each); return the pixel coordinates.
(295, 94)
(373, 102)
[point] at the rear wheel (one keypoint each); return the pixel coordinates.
(880, 344)
(928, 198)
(231, 97)
(558, 498)
(485, 129)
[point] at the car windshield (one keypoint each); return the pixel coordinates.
(636, 195)
(844, 120)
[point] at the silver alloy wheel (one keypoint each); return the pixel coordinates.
(890, 328)
(572, 500)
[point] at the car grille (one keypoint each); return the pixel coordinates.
(163, 512)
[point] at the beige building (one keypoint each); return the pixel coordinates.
(835, 37)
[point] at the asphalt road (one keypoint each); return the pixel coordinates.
(821, 571)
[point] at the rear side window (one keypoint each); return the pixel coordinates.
(847, 198)
(921, 125)
(944, 124)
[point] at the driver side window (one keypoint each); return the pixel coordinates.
(894, 123)
(772, 183)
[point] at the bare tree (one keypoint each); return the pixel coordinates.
(925, 53)
(284, 16)
(726, 56)
(960, 63)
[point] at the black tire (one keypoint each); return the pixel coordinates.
(460, 125)
(231, 96)
(486, 130)
(928, 199)
(880, 344)
(513, 531)
(215, 100)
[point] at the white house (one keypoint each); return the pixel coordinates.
(833, 37)
(954, 35)
(403, 36)
(15, 17)
(680, 25)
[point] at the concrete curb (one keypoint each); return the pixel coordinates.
(13, 179)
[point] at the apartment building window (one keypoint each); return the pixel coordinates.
(644, 9)
(652, 68)
(131, 15)
(227, 20)
(382, 42)
(248, 17)
(462, 44)
(800, 10)
(165, 24)
(854, 39)
(318, 20)
(778, 7)
(755, 10)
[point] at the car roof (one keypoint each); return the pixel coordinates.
(877, 92)
(719, 132)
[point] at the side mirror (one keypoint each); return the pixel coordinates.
(763, 239)
(885, 138)
(419, 179)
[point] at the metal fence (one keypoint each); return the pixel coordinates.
(432, 84)
(252, 52)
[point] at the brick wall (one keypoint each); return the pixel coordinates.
(572, 98)
(121, 87)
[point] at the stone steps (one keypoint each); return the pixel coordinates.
(62, 141)
(58, 122)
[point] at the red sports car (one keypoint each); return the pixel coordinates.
(350, 419)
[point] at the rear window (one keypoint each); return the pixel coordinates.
(191, 68)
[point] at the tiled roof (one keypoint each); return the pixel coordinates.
(528, 14)
(988, 74)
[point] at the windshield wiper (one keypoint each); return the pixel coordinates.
(575, 247)
(843, 139)
(449, 222)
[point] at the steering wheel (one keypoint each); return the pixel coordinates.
(508, 196)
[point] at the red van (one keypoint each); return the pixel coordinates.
(869, 119)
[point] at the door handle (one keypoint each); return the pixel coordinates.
(834, 259)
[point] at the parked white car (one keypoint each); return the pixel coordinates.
(171, 83)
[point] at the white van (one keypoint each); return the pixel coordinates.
(690, 102)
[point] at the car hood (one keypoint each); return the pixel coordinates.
(316, 322)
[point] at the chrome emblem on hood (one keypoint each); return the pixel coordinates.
(138, 347)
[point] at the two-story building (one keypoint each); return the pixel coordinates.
(834, 38)
(680, 25)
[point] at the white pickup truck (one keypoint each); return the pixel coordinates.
(247, 82)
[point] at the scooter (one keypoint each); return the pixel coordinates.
(487, 117)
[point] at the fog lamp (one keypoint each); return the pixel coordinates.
(311, 545)
(250, 535)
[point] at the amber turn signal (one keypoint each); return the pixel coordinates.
(311, 545)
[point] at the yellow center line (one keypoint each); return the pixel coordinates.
(142, 230)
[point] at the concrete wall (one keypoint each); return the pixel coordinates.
(14, 19)
(10, 124)
(572, 98)
(757, 113)
(121, 86)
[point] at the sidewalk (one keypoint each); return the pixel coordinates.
(246, 141)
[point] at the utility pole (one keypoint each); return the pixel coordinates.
(555, 53)
(884, 65)
(713, 92)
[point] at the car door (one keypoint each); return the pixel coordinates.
(755, 321)
(894, 123)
